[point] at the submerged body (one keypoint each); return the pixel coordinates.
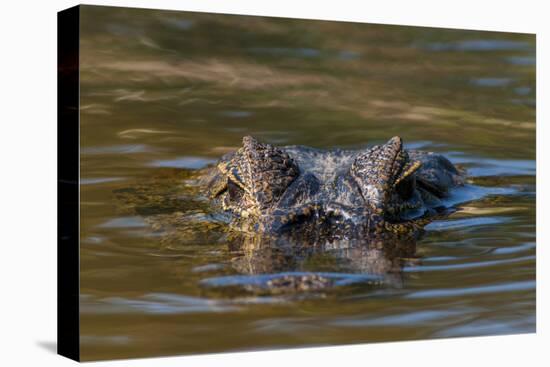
(321, 196)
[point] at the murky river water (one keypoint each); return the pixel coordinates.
(166, 93)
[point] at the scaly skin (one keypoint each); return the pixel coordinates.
(316, 195)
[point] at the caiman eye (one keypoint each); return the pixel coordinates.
(234, 191)
(406, 182)
(405, 188)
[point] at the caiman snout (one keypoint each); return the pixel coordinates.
(337, 193)
(328, 218)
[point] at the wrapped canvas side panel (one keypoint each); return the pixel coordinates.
(68, 183)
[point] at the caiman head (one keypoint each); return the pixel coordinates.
(336, 194)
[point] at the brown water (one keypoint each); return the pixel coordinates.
(164, 93)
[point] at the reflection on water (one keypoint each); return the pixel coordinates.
(166, 93)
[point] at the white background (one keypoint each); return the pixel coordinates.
(28, 182)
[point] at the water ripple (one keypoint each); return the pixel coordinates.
(492, 82)
(522, 60)
(488, 289)
(410, 319)
(445, 225)
(124, 222)
(479, 264)
(468, 193)
(156, 303)
(183, 162)
(483, 167)
(99, 180)
(514, 249)
(117, 149)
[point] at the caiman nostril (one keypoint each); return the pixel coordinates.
(342, 212)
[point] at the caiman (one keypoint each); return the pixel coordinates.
(326, 195)
(279, 207)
